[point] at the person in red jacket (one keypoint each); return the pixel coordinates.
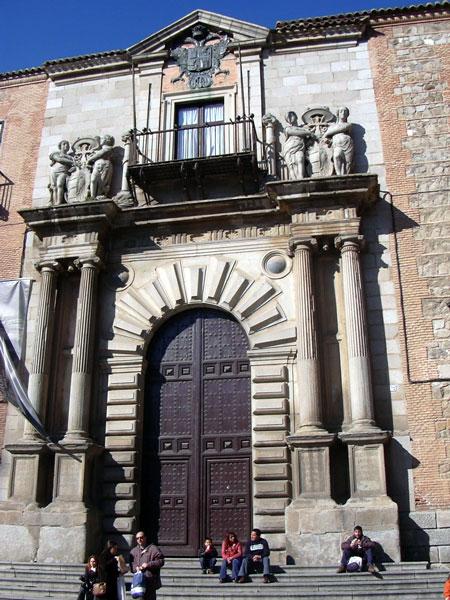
(446, 592)
(231, 557)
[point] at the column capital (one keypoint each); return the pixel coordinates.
(93, 262)
(352, 240)
(48, 265)
(303, 243)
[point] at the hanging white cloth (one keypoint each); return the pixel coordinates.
(214, 138)
(187, 139)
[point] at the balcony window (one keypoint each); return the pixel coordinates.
(200, 131)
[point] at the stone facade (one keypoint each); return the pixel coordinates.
(322, 273)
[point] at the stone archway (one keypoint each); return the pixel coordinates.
(140, 311)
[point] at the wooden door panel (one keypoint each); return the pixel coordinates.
(227, 499)
(174, 509)
(197, 432)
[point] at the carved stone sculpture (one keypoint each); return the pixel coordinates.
(102, 168)
(341, 142)
(200, 62)
(80, 180)
(61, 166)
(295, 146)
(321, 146)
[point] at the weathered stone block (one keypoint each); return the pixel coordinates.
(119, 490)
(443, 519)
(21, 539)
(439, 537)
(62, 544)
(419, 520)
(312, 550)
(120, 441)
(271, 471)
(444, 554)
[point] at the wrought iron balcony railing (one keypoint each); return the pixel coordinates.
(196, 153)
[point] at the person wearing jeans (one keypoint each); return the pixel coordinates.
(358, 545)
(256, 557)
(231, 557)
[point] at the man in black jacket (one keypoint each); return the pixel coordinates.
(256, 557)
(358, 545)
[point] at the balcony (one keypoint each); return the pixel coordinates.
(6, 186)
(198, 161)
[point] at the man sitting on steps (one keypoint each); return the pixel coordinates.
(256, 557)
(358, 545)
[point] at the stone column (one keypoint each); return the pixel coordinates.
(361, 401)
(308, 411)
(310, 444)
(269, 122)
(39, 375)
(80, 384)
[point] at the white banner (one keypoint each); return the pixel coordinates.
(14, 298)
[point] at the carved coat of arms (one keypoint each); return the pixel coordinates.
(200, 62)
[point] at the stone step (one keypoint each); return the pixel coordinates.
(182, 579)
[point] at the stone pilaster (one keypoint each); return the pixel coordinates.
(308, 411)
(361, 401)
(39, 373)
(80, 385)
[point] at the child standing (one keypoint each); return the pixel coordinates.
(208, 556)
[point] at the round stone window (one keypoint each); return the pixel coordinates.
(276, 264)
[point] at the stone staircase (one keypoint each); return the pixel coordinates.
(182, 578)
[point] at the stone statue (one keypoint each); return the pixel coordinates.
(338, 136)
(295, 145)
(102, 168)
(61, 166)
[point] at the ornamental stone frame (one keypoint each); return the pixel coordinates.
(183, 284)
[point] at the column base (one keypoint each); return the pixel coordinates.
(75, 439)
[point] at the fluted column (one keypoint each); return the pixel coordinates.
(39, 373)
(308, 413)
(361, 401)
(80, 385)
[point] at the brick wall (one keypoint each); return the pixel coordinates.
(410, 65)
(22, 106)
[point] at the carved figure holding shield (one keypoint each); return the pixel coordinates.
(61, 166)
(294, 148)
(102, 168)
(338, 135)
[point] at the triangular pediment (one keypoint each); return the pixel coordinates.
(239, 31)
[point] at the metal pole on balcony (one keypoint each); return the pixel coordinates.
(242, 93)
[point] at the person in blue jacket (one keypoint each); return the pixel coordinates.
(256, 557)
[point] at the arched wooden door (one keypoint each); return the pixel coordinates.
(196, 470)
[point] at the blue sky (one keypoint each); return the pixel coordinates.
(33, 31)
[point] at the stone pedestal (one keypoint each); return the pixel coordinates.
(29, 473)
(71, 515)
(305, 522)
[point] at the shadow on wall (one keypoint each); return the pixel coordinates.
(384, 322)
(414, 541)
(361, 164)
